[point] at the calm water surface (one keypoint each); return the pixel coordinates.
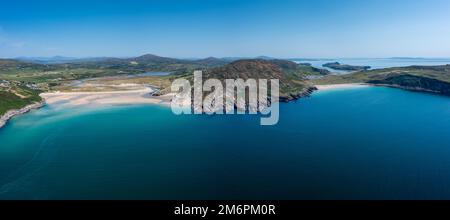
(365, 143)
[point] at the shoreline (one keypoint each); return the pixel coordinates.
(16, 112)
(140, 96)
(341, 86)
(125, 97)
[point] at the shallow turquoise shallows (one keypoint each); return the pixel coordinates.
(365, 143)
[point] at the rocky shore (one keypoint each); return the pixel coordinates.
(297, 95)
(414, 83)
(11, 113)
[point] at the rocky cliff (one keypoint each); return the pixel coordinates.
(292, 76)
(417, 83)
(11, 113)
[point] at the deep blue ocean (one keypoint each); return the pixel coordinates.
(364, 143)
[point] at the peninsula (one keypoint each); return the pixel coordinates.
(435, 79)
(17, 98)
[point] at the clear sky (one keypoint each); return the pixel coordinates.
(195, 28)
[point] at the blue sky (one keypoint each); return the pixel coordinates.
(195, 28)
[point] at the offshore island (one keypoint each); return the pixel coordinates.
(346, 67)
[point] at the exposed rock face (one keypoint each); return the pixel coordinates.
(245, 69)
(417, 83)
(338, 66)
(292, 80)
(291, 76)
(8, 115)
(301, 94)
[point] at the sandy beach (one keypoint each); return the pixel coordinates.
(141, 96)
(341, 86)
(137, 96)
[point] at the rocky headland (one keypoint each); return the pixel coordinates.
(11, 113)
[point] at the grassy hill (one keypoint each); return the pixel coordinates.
(57, 73)
(292, 76)
(422, 78)
(45, 76)
(16, 98)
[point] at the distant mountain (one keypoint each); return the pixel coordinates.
(212, 61)
(151, 62)
(47, 60)
(265, 58)
(151, 58)
(6, 64)
(146, 60)
(231, 59)
(309, 59)
(61, 59)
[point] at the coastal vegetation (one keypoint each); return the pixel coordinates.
(59, 73)
(17, 97)
(421, 78)
(21, 81)
(292, 76)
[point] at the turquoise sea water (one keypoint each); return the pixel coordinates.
(365, 143)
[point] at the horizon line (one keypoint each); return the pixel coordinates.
(220, 57)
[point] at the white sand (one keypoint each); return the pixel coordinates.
(104, 98)
(137, 96)
(341, 86)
